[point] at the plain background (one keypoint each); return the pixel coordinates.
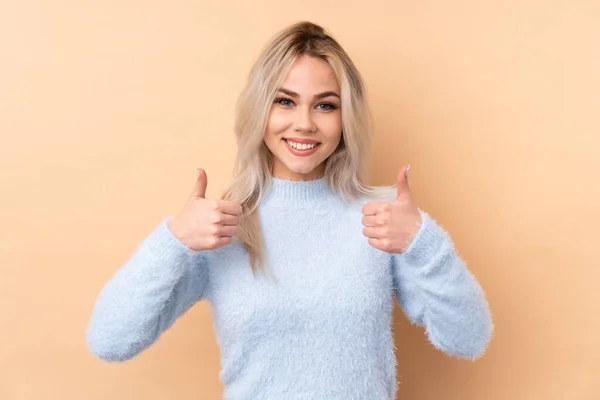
(107, 108)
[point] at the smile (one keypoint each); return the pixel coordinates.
(301, 149)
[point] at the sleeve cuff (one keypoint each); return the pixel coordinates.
(428, 240)
(165, 245)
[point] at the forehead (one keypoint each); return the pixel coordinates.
(310, 75)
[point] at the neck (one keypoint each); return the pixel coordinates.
(280, 171)
(298, 191)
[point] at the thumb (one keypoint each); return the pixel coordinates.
(402, 184)
(199, 191)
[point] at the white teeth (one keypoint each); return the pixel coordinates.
(301, 146)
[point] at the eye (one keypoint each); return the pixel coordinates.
(327, 106)
(284, 101)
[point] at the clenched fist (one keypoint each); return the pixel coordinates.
(206, 224)
(391, 225)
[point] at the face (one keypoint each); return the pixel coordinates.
(304, 126)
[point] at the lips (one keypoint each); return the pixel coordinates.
(301, 152)
(301, 140)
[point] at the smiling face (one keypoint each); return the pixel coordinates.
(304, 126)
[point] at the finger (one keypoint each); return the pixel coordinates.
(231, 220)
(375, 243)
(199, 190)
(370, 220)
(228, 230)
(373, 208)
(230, 207)
(224, 240)
(402, 184)
(370, 232)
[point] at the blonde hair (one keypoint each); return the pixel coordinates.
(345, 169)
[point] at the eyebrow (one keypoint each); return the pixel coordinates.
(317, 96)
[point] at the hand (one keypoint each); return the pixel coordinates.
(390, 226)
(206, 224)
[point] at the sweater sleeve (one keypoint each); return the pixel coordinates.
(437, 291)
(161, 281)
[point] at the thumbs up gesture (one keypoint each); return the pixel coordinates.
(391, 225)
(205, 224)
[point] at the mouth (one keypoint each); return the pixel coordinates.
(301, 147)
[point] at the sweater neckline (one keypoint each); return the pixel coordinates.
(284, 190)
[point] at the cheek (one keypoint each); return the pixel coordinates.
(332, 130)
(277, 123)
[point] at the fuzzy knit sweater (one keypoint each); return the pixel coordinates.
(322, 329)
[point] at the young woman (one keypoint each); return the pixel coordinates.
(300, 260)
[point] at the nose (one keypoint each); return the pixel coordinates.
(304, 122)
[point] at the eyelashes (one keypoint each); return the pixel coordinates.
(280, 100)
(287, 102)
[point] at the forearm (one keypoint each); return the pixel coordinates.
(160, 281)
(438, 292)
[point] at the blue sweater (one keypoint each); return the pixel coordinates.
(323, 329)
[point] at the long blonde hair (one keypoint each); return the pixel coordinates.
(345, 169)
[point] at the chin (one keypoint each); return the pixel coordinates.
(301, 169)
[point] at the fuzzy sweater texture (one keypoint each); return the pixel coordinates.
(323, 328)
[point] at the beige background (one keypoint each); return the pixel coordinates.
(106, 108)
